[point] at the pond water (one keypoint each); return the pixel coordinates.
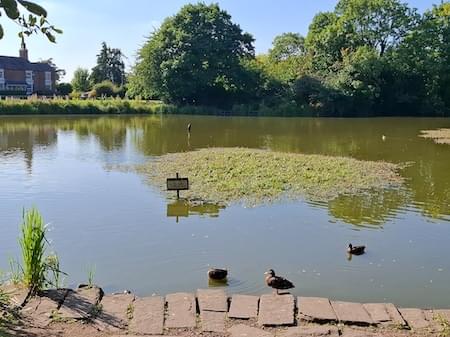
(137, 237)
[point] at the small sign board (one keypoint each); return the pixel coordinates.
(177, 184)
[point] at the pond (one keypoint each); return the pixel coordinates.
(137, 237)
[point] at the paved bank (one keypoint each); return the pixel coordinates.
(212, 311)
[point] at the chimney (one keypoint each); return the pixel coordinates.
(23, 52)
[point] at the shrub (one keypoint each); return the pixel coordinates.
(105, 89)
(63, 89)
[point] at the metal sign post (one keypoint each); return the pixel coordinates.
(177, 184)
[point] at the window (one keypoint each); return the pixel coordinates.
(48, 80)
(2, 74)
(29, 76)
(2, 86)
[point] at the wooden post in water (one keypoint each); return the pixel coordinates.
(178, 191)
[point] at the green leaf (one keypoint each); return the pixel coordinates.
(1, 32)
(50, 37)
(56, 30)
(33, 8)
(10, 7)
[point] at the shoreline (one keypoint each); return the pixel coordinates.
(213, 311)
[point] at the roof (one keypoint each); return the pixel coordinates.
(18, 63)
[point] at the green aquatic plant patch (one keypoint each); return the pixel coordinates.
(227, 175)
(440, 136)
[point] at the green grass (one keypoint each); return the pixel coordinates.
(440, 136)
(228, 175)
(36, 265)
(76, 106)
(33, 244)
(91, 275)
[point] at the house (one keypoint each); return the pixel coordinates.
(19, 76)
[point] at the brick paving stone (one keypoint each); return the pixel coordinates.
(148, 316)
(242, 330)
(315, 309)
(212, 300)
(213, 321)
(276, 309)
(80, 304)
(359, 333)
(414, 317)
(16, 294)
(41, 309)
(395, 315)
(310, 331)
(377, 312)
(243, 307)
(351, 313)
(181, 310)
(114, 313)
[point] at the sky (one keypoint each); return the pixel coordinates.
(125, 25)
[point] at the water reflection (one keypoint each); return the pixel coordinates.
(183, 209)
(426, 180)
(373, 208)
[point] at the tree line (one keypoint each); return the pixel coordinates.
(364, 58)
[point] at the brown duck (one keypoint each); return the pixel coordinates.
(217, 274)
(355, 250)
(277, 282)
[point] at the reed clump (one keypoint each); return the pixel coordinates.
(36, 265)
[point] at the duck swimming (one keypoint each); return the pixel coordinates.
(355, 250)
(217, 274)
(277, 282)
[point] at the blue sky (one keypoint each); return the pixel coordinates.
(124, 25)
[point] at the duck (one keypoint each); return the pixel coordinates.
(355, 250)
(277, 282)
(217, 273)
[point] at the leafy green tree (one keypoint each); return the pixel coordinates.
(425, 57)
(64, 89)
(287, 45)
(110, 66)
(80, 81)
(378, 24)
(31, 17)
(195, 58)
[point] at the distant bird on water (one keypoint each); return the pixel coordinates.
(355, 250)
(217, 274)
(189, 128)
(383, 138)
(277, 282)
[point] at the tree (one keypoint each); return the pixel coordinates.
(378, 24)
(425, 57)
(63, 89)
(80, 81)
(110, 66)
(195, 58)
(33, 21)
(287, 45)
